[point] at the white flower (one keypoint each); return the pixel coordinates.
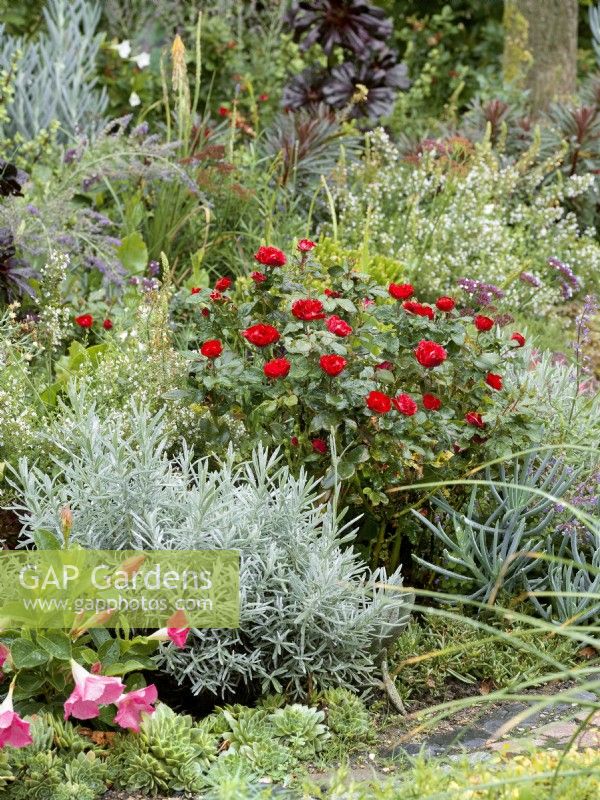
(142, 59)
(123, 48)
(134, 99)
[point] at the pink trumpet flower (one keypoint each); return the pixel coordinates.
(91, 692)
(132, 705)
(14, 731)
(176, 635)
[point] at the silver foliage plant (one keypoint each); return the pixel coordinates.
(55, 78)
(309, 605)
(494, 544)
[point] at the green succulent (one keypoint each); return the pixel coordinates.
(346, 715)
(42, 734)
(220, 723)
(170, 753)
(271, 702)
(133, 769)
(300, 728)
(65, 736)
(250, 726)
(270, 758)
(37, 775)
(87, 770)
(6, 774)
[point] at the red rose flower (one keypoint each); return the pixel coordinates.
(224, 111)
(338, 326)
(418, 308)
(304, 245)
(483, 323)
(223, 284)
(405, 404)
(308, 309)
(261, 335)
(277, 368)
(332, 293)
(378, 402)
(332, 365)
(270, 256)
(493, 380)
(205, 312)
(431, 402)
(445, 303)
(84, 320)
(216, 295)
(319, 446)
(107, 324)
(385, 365)
(475, 419)
(294, 441)
(518, 338)
(430, 354)
(212, 348)
(401, 291)
(258, 277)
(195, 290)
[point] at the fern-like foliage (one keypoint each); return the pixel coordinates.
(505, 522)
(55, 77)
(310, 609)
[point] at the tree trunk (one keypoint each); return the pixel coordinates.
(541, 37)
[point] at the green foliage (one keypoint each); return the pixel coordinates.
(346, 715)
(59, 765)
(451, 210)
(509, 521)
(317, 596)
(41, 660)
(434, 655)
(62, 55)
(541, 774)
(169, 754)
(308, 406)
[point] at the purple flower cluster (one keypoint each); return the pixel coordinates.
(532, 280)
(482, 293)
(582, 331)
(571, 282)
(586, 496)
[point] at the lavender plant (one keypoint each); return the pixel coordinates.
(311, 612)
(60, 214)
(55, 77)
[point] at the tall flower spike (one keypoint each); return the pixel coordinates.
(179, 73)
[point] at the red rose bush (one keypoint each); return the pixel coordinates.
(308, 355)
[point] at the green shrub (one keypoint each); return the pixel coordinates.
(456, 211)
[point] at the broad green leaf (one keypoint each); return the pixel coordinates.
(26, 654)
(56, 644)
(133, 253)
(46, 540)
